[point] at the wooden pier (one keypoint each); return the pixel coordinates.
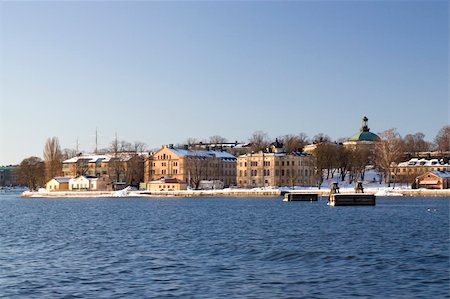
(352, 199)
(301, 197)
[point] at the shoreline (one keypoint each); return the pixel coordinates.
(232, 193)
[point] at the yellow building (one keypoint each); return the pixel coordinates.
(275, 168)
(58, 184)
(166, 184)
(406, 172)
(191, 166)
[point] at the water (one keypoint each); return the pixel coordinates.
(223, 248)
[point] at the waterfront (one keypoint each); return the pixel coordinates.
(222, 248)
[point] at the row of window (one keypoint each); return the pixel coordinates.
(266, 172)
(277, 163)
(419, 170)
(282, 182)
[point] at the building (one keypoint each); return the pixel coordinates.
(166, 184)
(8, 176)
(364, 139)
(122, 169)
(408, 171)
(58, 184)
(191, 166)
(434, 180)
(275, 168)
(83, 183)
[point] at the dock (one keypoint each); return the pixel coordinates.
(351, 199)
(301, 197)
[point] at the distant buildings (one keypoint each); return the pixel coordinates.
(8, 176)
(122, 168)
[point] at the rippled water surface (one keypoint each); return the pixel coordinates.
(222, 248)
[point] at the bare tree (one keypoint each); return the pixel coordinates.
(388, 152)
(293, 143)
(139, 147)
(118, 149)
(31, 172)
(415, 143)
(343, 161)
(197, 168)
(134, 166)
(68, 153)
(442, 139)
(52, 158)
(82, 166)
(259, 141)
(216, 139)
(321, 137)
(358, 158)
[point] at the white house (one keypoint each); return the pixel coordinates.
(89, 183)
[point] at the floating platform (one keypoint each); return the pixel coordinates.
(354, 199)
(301, 197)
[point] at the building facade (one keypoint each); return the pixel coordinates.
(434, 180)
(8, 176)
(166, 184)
(191, 166)
(275, 169)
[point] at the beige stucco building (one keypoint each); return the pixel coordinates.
(191, 166)
(275, 168)
(166, 184)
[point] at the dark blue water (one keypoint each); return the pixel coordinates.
(223, 248)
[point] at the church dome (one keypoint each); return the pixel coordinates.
(364, 133)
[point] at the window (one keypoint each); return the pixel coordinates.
(282, 163)
(287, 163)
(175, 171)
(282, 172)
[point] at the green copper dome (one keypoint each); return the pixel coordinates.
(364, 133)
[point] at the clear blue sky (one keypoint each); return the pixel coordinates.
(160, 72)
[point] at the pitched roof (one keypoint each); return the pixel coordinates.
(62, 179)
(441, 174)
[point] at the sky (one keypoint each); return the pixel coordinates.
(162, 72)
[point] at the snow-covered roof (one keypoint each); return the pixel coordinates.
(202, 153)
(90, 158)
(94, 158)
(282, 154)
(423, 162)
(62, 179)
(442, 174)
